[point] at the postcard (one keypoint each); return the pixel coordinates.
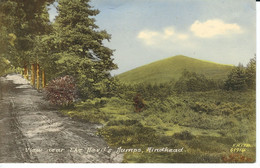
(120, 81)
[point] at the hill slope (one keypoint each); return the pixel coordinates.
(171, 68)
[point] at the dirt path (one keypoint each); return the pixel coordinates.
(33, 131)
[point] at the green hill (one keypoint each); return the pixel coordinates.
(171, 68)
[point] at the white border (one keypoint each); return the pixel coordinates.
(255, 165)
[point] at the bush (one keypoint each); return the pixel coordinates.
(61, 91)
(128, 134)
(203, 107)
(91, 116)
(138, 103)
(123, 122)
(185, 135)
(192, 82)
(153, 120)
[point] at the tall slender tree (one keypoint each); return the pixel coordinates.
(80, 43)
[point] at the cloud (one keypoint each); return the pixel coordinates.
(213, 28)
(167, 35)
(149, 37)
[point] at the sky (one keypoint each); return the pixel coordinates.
(144, 31)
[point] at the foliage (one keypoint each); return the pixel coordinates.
(73, 45)
(138, 102)
(4, 65)
(128, 134)
(43, 53)
(191, 81)
(185, 135)
(61, 91)
(251, 74)
(242, 78)
(153, 120)
(188, 82)
(203, 107)
(23, 20)
(80, 47)
(201, 122)
(236, 79)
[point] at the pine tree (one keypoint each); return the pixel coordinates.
(236, 79)
(81, 50)
(251, 74)
(242, 78)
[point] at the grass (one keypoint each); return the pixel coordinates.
(171, 68)
(205, 124)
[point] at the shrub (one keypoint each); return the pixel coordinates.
(185, 135)
(90, 116)
(61, 91)
(191, 82)
(203, 107)
(153, 120)
(128, 135)
(123, 122)
(138, 103)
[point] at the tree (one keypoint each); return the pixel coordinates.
(80, 47)
(251, 74)
(242, 78)
(236, 79)
(7, 19)
(24, 21)
(191, 81)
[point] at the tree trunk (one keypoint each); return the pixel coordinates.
(25, 72)
(38, 76)
(33, 75)
(43, 79)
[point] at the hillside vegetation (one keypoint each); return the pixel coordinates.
(171, 68)
(206, 125)
(211, 121)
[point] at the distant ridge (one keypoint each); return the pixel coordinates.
(171, 68)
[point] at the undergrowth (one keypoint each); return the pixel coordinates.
(205, 124)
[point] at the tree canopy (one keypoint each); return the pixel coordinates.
(81, 51)
(242, 78)
(72, 45)
(21, 22)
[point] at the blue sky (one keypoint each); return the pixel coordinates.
(144, 31)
